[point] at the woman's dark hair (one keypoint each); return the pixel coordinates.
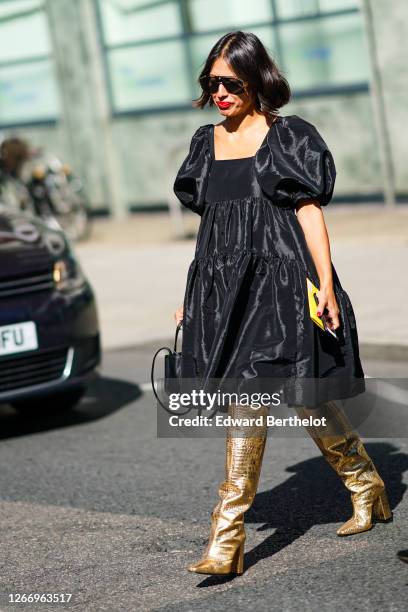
(250, 61)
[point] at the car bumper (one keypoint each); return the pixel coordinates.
(69, 350)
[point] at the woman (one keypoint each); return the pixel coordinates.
(258, 181)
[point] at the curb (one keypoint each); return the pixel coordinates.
(368, 350)
(385, 352)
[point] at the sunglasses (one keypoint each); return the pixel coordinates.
(210, 84)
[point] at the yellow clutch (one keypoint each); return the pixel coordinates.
(311, 292)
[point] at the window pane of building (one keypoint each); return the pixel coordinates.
(212, 14)
(324, 52)
(134, 20)
(296, 8)
(147, 76)
(337, 5)
(27, 92)
(23, 31)
(299, 8)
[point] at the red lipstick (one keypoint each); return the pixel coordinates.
(224, 105)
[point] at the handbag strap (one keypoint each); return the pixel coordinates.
(163, 348)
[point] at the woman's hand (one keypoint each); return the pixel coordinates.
(178, 315)
(327, 299)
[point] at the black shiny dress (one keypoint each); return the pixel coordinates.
(246, 312)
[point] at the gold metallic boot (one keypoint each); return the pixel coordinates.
(344, 451)
(245, 447)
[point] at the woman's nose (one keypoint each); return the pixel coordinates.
(222, 91)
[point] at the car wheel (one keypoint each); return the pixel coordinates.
(54, 403)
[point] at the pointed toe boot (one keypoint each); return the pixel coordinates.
(343, 449)
(245, 446)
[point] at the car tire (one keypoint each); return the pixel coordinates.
(50, 404)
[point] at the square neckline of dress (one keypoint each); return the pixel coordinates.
(212, 142)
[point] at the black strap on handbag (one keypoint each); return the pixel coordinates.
(172, 358)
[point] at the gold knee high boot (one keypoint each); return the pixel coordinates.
(344, 451)
(245, 447)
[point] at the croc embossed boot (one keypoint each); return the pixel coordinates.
(245, 446)
(344, 451)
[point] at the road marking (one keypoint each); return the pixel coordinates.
(146, 386)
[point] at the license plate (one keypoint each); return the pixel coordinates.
(18, 337)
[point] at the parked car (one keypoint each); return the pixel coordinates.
(49, 332)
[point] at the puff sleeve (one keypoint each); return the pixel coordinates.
(297, 164)
(190, 179)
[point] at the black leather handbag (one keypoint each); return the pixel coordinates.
(172, 368)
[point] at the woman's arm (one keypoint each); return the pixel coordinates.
(310, 217)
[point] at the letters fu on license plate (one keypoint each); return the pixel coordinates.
(18, 337)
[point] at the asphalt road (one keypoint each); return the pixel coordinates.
(94, 504)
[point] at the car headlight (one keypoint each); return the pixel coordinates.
(68, 275)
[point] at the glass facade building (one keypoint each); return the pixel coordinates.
(28, 90)
(155, 50)
(90, 78)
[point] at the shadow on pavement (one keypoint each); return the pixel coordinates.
(104, 396)
(314, 495)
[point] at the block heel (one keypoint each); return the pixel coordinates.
(237, 566)
(381, 508)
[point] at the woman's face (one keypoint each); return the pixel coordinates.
(238, 103)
